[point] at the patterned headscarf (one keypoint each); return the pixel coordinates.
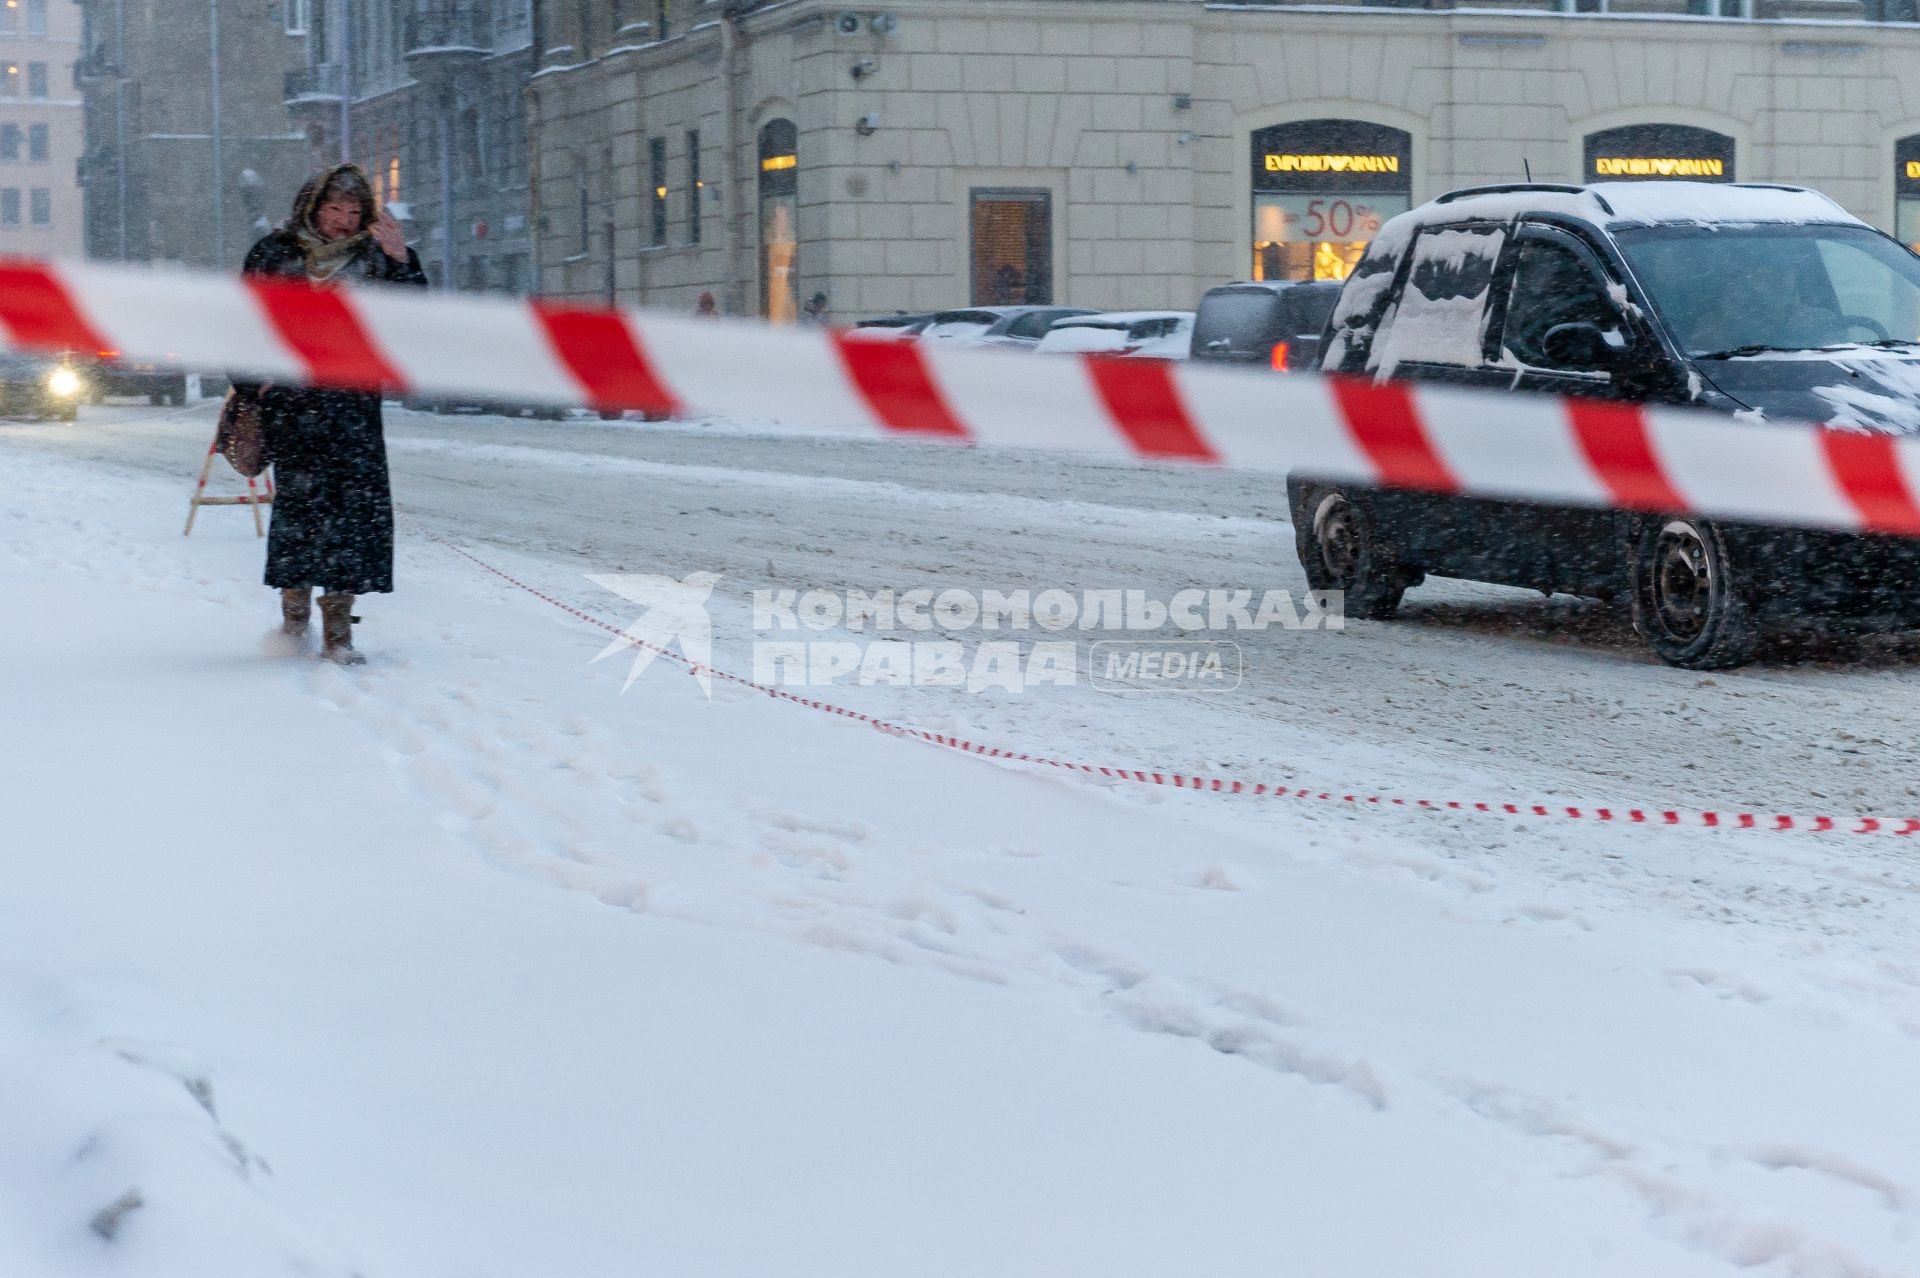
(326, 257)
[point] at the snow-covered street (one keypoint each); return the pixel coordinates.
(464, 963)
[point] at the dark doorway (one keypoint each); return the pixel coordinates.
(1012, 247)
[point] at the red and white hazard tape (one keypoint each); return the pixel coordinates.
(1495, 444)
(1613, 814)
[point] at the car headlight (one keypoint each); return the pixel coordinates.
(63, 381)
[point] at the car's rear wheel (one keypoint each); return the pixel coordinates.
(1341, 549)
(1689, 603)
(156, 398)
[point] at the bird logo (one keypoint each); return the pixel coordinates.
(675, 611)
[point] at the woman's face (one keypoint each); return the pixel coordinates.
(337, 218)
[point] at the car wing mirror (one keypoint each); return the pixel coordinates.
(1584, 345)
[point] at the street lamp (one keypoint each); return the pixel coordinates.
(219, 158)
(346, 81)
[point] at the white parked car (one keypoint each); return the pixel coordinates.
(1134, 334)
(1005, 326)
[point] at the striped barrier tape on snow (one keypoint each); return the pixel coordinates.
(1616, 814)
(1494, 444)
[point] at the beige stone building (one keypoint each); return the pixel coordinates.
(183, 165)
(1130, 153)
(42, 129)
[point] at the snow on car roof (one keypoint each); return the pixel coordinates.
(1614, 204)
(1118, 317)
(1640, 203)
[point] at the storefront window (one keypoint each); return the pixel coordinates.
(1321, 190)
(1659, 153)
(1906, 192)
(779, 215)
(1012, 234)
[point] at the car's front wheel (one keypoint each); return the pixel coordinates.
(1689, 602)
(1341, 549)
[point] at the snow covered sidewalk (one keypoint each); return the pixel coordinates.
(465, 964)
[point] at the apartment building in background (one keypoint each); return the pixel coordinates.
(42, 131)
(190, 151)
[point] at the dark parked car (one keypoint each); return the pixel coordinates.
(111, 375)
(40, 386)
(1748, 299)
(1276, 323)
(455, 405)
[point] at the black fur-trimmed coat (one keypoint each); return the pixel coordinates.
(332, 505)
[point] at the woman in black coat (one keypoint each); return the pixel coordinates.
(332, 507)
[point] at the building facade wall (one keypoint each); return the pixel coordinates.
(1136, 118)
(427, 83)
(164, 178)
(42, 130)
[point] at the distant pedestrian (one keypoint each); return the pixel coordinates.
(332, 506)
(814, 313)
(706, 308)
(1007, 285)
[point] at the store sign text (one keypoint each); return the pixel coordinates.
(1336, 217)
(1647, 166)
(1333, 163)
(775, 162)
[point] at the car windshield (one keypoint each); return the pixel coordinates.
(1752, 289)
(1242, 320)
(1034, 324)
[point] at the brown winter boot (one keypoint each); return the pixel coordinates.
(296, 609)
(336, 630)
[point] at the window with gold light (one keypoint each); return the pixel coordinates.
(1321, 191)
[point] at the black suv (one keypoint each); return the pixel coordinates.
(1744, 298)
(1276, 323)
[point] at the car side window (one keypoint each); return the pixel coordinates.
(1553, 285)
(1033, 325)
(1442, 312)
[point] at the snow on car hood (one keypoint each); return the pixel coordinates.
(1861, 388)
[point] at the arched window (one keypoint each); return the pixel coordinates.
(779, 214)
(1321, 189)
(1659, 153)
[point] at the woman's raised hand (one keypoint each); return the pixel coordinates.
(391, 239)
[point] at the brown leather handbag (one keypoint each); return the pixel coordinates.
(242, 438)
